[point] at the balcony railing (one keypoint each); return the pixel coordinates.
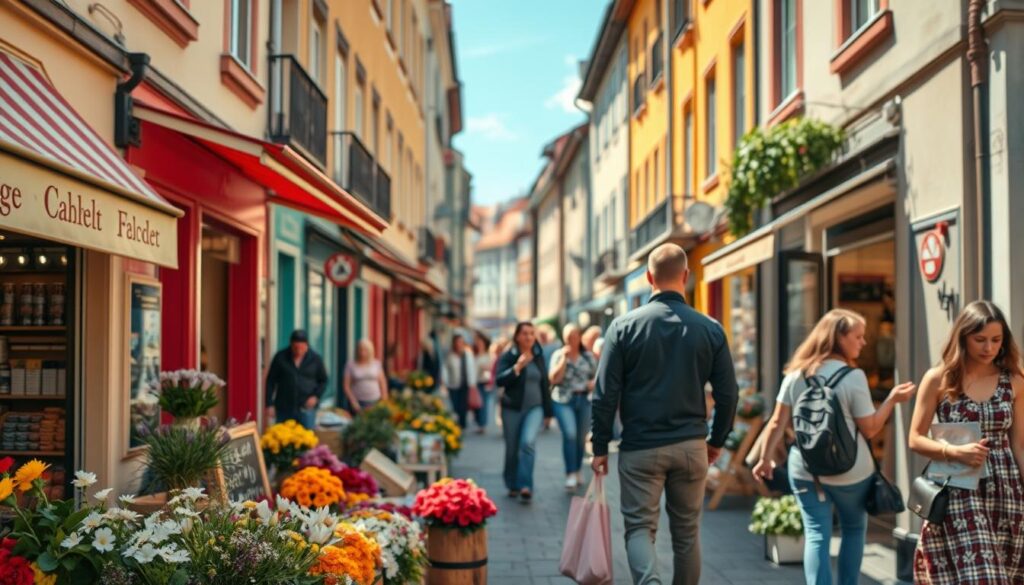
(639, 92)
(299, 109)
(427, 245)
(657, 60)
(650, 228)
(359, 174)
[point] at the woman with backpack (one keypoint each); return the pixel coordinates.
(980, 379)
(819, 376)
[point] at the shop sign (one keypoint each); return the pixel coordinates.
(747, 255)
(38, 201)
(932, 255)
(341, 269)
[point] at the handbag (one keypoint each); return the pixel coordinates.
(884, 497)
(475, 401)
(929, 499)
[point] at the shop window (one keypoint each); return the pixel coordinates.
(285, 297)
(315, 310)
(221, 251)
(743, 327)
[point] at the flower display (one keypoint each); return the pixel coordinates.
(419, 380)
(354, 558)
(402, 546)
(187, 393)
(14, 569)
(284, 442)
(405, 511)
(454, 503)
(441, 425)
(358, 485)
(314, 486)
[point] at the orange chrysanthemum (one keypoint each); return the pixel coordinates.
(313, 487)
(28, 473)
(354, 556)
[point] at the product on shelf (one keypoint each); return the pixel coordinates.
(7, 297)
(36, 431)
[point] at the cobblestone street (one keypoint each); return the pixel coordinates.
(526, 540)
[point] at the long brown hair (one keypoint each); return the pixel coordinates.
(975, 317)
(823, 341)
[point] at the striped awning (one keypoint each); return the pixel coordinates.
(59, 180)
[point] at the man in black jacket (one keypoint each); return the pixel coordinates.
(654, 365)
(295, 382)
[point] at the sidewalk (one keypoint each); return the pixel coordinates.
(526, 540)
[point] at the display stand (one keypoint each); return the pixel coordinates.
(433, 472)
(735, 478)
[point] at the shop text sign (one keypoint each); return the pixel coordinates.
(341, 269)
(45, 203)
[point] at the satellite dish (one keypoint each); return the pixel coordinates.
(700, 216)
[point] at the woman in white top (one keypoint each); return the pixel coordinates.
(459, 374)
(834, 343)
(364, 382)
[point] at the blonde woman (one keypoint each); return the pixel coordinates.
(573, 369)
(364, 382)
(830, 351)
(980, 380)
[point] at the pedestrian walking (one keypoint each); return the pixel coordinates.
(590, 337)
(981, 539)
(828, 355)
(458, 375)
(295, 382)
(655, 364)
(484, 362)
(429, 362)
(548, 340)
(572, 377)
(525, 405)
(364, 383)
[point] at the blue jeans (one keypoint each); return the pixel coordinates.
(849, 501)
(483, 414)
(574, 420)
(303, 416)
(460, 404)
(521, 430)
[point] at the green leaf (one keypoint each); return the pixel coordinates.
(46, 562)
(180, 577)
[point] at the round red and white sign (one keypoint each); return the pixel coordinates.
(341, 269)
(932, 256)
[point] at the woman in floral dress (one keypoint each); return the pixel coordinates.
(981, 540)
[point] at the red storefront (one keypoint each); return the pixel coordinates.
(213, 318)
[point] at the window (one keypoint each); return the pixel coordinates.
(657, 176)
(375, 126)
(400, 180)
(680, 14)
(316, 50)
(241, 28)
(739, 93)
(391, 16)
(787, 48)
(358, 118)
(861, 13)
(387, 149)
(710, 146)
(400, 34)
(647, 186)
(340, 102)
(688, 151)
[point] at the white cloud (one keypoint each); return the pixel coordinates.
(565, 97)
(491, 127)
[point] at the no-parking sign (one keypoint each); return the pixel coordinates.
(341, 269)
(932, 255)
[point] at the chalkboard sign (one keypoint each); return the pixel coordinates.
(243, 474)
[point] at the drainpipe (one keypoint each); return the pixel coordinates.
(977, 57)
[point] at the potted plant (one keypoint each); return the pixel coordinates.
(180, 457)
(455, 512)
(187, 394)
(778, 519)
(374, 428)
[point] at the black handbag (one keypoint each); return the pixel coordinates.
(929, 499)
(883, 497)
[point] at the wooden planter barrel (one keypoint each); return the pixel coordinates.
(456, 558)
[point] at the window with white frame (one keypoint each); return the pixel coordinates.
(240, 43)
(316, 50)
(340, 103)
(862, 12)
(359, 104)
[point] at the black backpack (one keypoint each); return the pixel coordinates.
(822, 435)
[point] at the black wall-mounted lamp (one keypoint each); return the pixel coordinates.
(127, 129)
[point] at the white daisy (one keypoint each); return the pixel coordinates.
(84, 479)
(103, 540)
(101, 496)
(92, 521)
(145, 554)
(74, 539)
(126, 499)
(193, 493)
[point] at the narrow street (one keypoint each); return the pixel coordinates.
(525, 540)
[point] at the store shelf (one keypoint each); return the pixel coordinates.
(33, 329)
(33, 453)
(33, 397)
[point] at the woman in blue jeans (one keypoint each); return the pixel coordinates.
(525, 404)
(833, 345)
(572, 374)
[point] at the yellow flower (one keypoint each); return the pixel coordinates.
(41, 577)
(6, 488)
(28, 473)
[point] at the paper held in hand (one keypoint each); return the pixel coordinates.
(960, 475)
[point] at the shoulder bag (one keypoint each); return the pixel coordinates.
(884, 497)
(929, 499)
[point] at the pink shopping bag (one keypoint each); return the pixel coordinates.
(587, 548)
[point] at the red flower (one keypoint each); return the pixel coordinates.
(15, 570)
(5, 464)
(456, 503)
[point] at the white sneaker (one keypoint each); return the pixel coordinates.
(571, 482)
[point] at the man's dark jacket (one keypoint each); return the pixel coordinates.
(289, 387)
(654, 365)
(514, 386)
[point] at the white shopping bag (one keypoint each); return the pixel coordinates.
(587, 547)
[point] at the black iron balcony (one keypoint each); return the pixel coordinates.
(298, 109)
(657, 60)
(639, 93)
(606, 262)
(359, 174)
(650, 228)
(427, 245)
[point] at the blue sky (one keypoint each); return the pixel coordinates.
(518, 63)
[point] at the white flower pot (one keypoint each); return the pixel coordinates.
(783, 550)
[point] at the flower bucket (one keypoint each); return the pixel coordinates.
(784, 550)
(456, 557)
(188, 422)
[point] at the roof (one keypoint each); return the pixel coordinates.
(614, 23)
(506, 228)
(558, 151)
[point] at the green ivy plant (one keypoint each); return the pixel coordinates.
(769, 161)
(777, 516)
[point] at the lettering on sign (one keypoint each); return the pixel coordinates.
(243, 474)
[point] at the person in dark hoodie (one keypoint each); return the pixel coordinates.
(525, 405)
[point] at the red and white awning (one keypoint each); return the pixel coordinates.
(93, 199)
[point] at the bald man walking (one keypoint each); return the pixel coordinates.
(654, 365)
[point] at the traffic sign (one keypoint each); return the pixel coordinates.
(932, 256)
(341, 269)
